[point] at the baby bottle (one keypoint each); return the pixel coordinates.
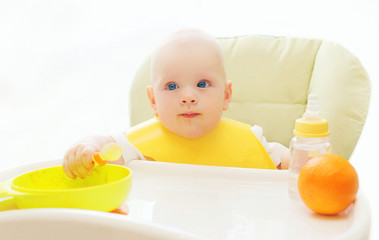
(311, 139)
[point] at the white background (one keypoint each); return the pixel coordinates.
(65, 65)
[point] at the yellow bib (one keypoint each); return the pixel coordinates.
(230, 144)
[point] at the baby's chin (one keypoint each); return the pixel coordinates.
(191, 128)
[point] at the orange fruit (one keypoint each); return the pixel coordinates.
(328, 184)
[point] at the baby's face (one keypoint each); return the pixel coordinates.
(189, 90)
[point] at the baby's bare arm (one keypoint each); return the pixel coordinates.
(78, 159)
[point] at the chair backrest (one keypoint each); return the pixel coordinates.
(272, 78)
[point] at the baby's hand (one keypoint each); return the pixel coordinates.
(78, 159)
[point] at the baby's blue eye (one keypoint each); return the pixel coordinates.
(203, 84)
(172, 86)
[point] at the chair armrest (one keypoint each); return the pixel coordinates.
(343, 87)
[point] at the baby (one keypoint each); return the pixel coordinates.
(188, 94)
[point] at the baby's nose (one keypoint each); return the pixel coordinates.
(189, 100)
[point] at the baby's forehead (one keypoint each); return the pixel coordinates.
(189, 48)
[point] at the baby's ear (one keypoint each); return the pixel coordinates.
(150, 94)
(228, 95)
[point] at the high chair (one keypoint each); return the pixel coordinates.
(271, 80)
(272, 77)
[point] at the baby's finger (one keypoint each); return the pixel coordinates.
(66, 168)
(87, 157)
(72, 163)
(79, 166)
(67, 171)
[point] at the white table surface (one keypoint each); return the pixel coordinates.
(190, 201)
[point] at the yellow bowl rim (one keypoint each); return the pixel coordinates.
(44, 191)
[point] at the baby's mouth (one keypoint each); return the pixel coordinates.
(190, 114)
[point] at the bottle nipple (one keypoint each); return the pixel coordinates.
(312, 112)
(311, 124)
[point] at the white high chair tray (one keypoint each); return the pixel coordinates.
(189, 201)
(235, 203)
